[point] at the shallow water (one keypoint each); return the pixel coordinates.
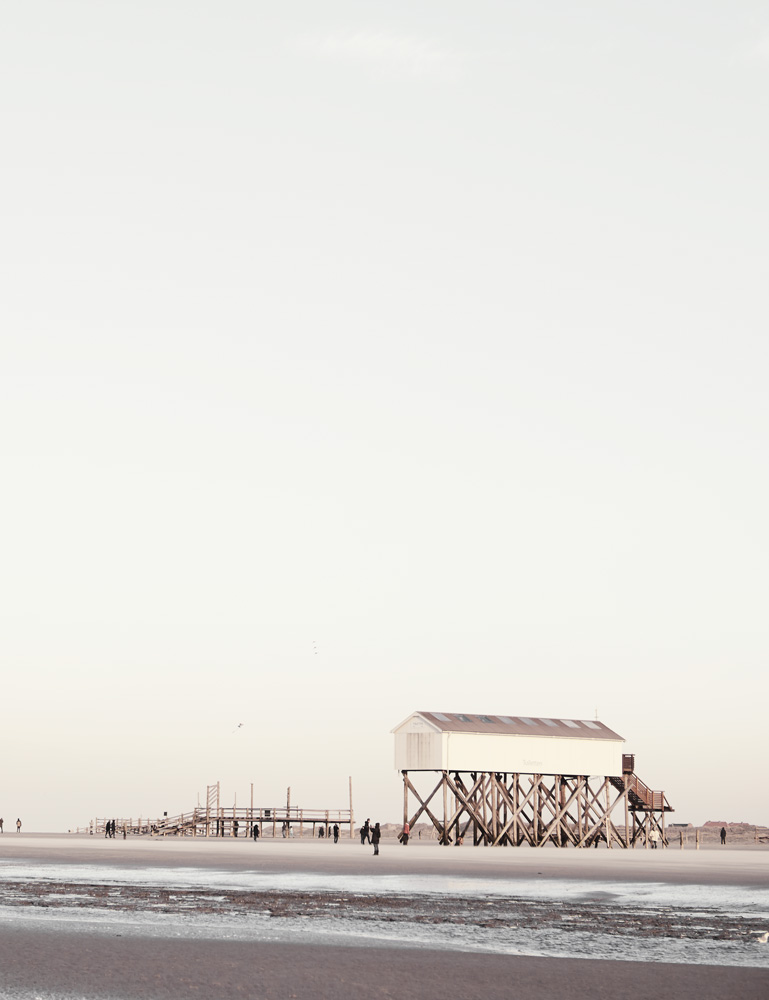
(724, 899)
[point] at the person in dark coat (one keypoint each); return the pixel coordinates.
(723, 834)
(336, 833)
(376, 835)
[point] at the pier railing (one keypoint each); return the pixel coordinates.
(233, 821)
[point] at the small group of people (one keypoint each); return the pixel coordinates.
(18, 825)
(110, 828)
(371, 835)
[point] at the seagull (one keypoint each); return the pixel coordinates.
(239, 726)
(763, 938)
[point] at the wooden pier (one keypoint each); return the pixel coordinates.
(217, 820)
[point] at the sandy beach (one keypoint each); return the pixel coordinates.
(92, 918)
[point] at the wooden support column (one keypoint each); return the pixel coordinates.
(405, 798)
(516, 800)
(445, 833)
(627, 819)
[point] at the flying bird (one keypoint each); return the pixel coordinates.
(239, 726)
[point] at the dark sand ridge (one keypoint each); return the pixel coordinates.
(100, 968)
(67, 962)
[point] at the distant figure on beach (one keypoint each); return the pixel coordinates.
(654, 837)
(405, 834)
(235, 827)
(256, 831)
(376, 835)
(336, 831)
(365, 834)
(18, 826)
(723, 833)
(1, 825)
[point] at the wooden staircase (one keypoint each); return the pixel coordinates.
(641, 798)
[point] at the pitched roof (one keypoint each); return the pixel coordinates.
(520, 725)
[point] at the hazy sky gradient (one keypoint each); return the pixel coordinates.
(432, 334)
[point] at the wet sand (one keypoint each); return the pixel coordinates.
(711, 866)
(49, 959)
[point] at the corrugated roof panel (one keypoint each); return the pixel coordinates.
(462, 722)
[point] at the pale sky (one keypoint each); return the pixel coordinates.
(429, 336)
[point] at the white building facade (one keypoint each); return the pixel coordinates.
(444, 741)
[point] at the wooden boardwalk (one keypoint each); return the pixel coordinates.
(217, 820)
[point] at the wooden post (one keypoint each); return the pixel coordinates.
(445, 835)
(516, 800)
(627, 818)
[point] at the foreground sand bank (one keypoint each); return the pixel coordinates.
(66, 965)
(714, 866)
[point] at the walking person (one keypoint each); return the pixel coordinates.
(18, 826)
(405, 834)
(256, 831)
(376, 836)
(1, 824)
(336, 831)
(723, 834)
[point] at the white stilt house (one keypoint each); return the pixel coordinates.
(520, 779)
(429, 741)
